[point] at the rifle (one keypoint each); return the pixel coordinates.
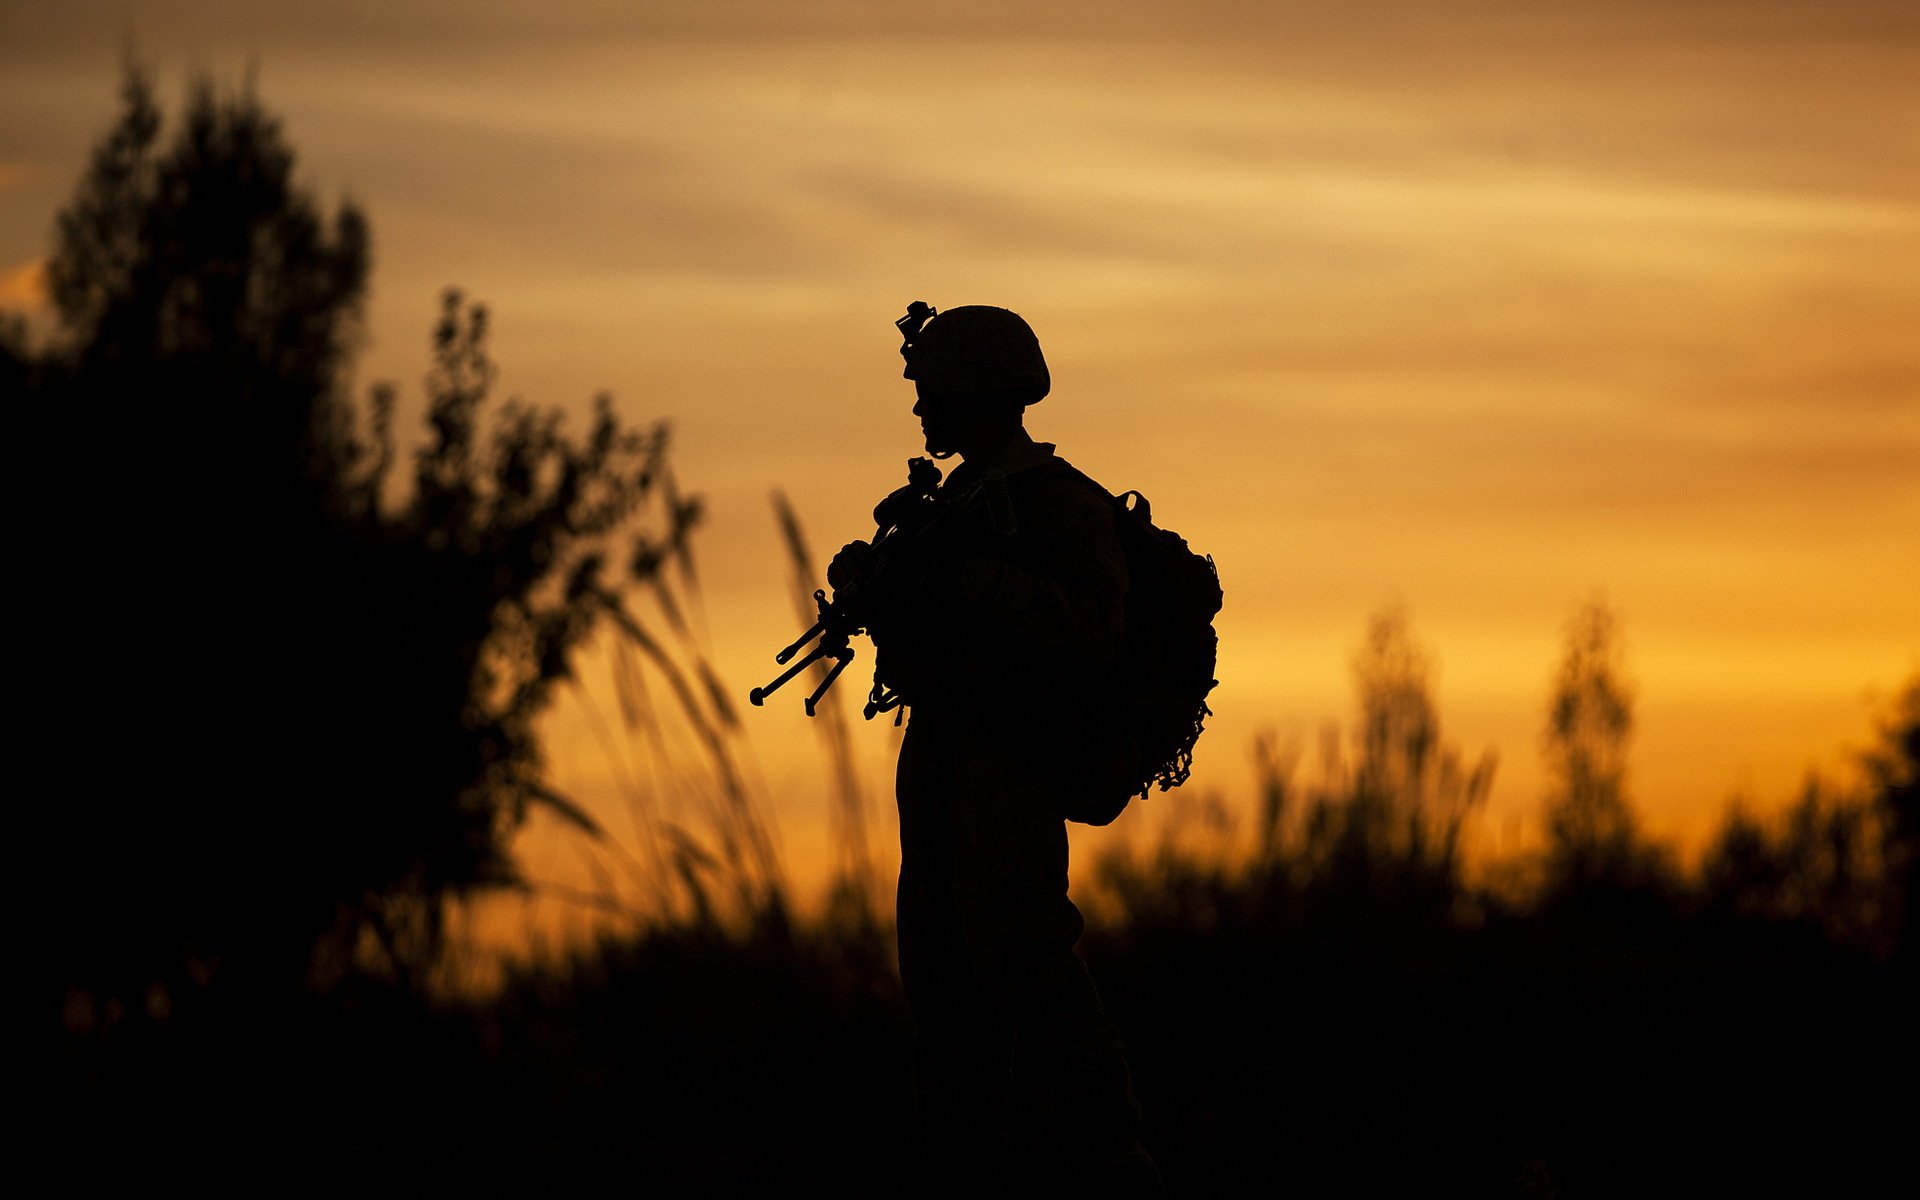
(906, 513)
(903, 515)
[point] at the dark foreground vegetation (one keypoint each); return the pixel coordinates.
(305, 684)
(1333, 1015)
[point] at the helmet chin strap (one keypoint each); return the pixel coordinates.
(943, 455)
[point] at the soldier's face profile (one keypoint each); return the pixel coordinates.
(943, 418)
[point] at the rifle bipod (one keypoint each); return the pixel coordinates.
(906, 513)
(833, 631)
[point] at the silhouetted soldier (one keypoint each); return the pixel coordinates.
(996, 628)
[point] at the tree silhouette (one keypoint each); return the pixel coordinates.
(1589, 719)
(1840, 859)
(1895, 767)
(304, 678)
(1410, 793)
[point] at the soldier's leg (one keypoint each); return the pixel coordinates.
(961, 1045)
(1009, 873)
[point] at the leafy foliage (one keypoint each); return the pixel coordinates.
(310, 675)
(1376, 837)
(1592, 838)
(1839, 860)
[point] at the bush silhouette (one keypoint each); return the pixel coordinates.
(303, 660)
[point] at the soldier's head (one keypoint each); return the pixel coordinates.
(975, 369)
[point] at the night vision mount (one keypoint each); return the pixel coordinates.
(918, 314)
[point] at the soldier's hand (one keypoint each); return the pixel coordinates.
(852, 568)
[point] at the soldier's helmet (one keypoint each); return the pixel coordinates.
(978, 348)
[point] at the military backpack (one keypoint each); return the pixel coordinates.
(1165, 667)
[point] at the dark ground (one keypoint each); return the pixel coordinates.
(1288, 1046)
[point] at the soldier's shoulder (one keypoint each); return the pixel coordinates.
(1059, 475)
(1071, 496)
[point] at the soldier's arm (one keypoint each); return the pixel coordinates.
(1070, 600)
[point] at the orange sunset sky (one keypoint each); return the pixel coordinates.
(1479, 308)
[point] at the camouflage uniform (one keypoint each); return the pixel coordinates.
(1004, 624)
